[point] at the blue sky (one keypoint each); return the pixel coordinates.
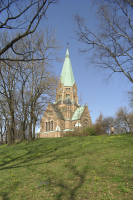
(99, 94)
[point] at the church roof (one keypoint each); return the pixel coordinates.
(78, 124)
(67, 77)
(78, 113)
(67, 101)
(68, 129)
(57, 111)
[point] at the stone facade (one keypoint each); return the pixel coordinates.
(65, 114)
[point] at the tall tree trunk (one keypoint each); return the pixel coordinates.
(23, 131)
(9, 133)
(6, 136)
(30, 127)
(6, 131)
(1, 138)
(12, 129)
(30, 131)
(34, 125)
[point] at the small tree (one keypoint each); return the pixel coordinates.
(98, 125)
(124, 120)
(107, 122)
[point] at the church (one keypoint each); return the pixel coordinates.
(65, 114)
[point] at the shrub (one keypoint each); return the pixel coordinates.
(98, 129)
(89, 131)
(72, 134)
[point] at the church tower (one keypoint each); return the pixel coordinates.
(65, 114)
(66, 93)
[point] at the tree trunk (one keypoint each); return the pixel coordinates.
(9, 133)
(1, 138)
(30, 131)
(6, 131)
(30, 128)
(34, 125)
(6, 137)
(12, 129)
(23, 131)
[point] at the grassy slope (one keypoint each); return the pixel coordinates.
(68, 168)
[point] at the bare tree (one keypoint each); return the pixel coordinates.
(19, 19)
(130, 97)
(106, 123)
(23, 84)
(37, 80)
(42, 83)
(112, 45)
(20, 61)
(124, 120)
(4, 111)
(98, 125)
(8, 87)
(2, 128)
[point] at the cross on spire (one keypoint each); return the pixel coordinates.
(67, 44)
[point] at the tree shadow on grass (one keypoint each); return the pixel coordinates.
(72, 191)
(5, 194)
(31, 155)
(64, 188)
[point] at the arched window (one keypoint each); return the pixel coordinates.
(66, 95)
(49, 126)
(46, 127)
(85, 122)
(52, 126)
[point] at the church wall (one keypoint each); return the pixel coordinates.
(85, 118)
(49, 116)
(68, 124)
(62, 108)
(61, 124)
(75, 97)
(73, 125)
(53, 134)
(59, 91)
(43, 124)
(62, 91)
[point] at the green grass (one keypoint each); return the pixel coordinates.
(70, 168)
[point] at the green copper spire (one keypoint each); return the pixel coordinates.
(67, 77)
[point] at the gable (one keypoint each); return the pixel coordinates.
(57, 111)
(86, 116)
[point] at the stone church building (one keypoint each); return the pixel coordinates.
(65, 114)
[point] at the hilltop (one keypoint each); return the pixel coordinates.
(93, 167)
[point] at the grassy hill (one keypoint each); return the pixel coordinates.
(71, 168)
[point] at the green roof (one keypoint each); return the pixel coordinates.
(78, 124)
(78, 113)
(67, 77)
(68, 129)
